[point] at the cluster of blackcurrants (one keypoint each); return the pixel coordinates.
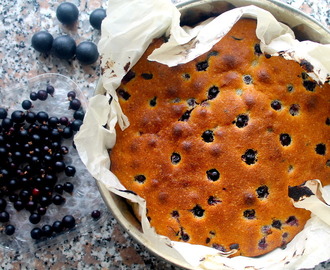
(64, 46)
(32, 155)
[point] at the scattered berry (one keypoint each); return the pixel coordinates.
(64, 47)
(42, 41)
(87, 53)
(97, 17)
(67, 13)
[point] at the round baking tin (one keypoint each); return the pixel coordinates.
(194, 11)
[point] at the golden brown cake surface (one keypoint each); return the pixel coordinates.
(214, 144)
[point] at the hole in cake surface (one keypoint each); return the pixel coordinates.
(202, 66)
(140, 178)
(147, 76)
(285, 235)
(309, 85)
(306, 65)
(292, 221)
(327, 121)
(198, 211)
(213, 174)
(266, 230)
(328, 163)
(207, 240)
(219, 247)
(257, 49)
(175, 158)
(277, 224)
(294, 109)
(242, 120)
(175, 214)
(290, 168)
(250, 156)
(213, 92)
(128, 77)
(290, 88)
(213, 53)
(213, 200)
(268, 56)
(262, 243)
(208, 136)
(186, 115)
(285, 139)
(262, 192)
(234, 246)
(320, 149)
(153, 102)
(191, 102)
(247, 79)
(276, 105)
(237, 38)
(184, 236)
(186, 76)
(296, 192)
(239, 92)
(249, 198)
(249, 214)
(123, 94)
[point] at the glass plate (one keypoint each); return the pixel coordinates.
(85, 197)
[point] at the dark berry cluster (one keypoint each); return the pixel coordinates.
(64, 46)
(32, 155)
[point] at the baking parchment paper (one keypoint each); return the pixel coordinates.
(128, 29)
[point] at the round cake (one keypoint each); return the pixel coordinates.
(214, 145)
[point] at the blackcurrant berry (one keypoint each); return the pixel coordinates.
(58, 226)
(64, 47)
(10, 229)
(68, 221)
(70, 170)
(34, 218)
(75, 104)
(3, 113)
(33, 96)
(26, 104)
(42, 41)
(42, 95)
(47, 230)
(87, 52)
(36, 233)
(4, 216)
(68, 187)
(67, 13)
(97, 17)
(96, 214)
(50, 89)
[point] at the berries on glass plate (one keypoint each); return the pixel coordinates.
(42, 41)
(67, 13)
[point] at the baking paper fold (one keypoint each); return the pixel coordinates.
(128, 29)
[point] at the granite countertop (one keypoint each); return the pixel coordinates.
(103, 244)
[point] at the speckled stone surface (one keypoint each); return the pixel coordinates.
(102, 244)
